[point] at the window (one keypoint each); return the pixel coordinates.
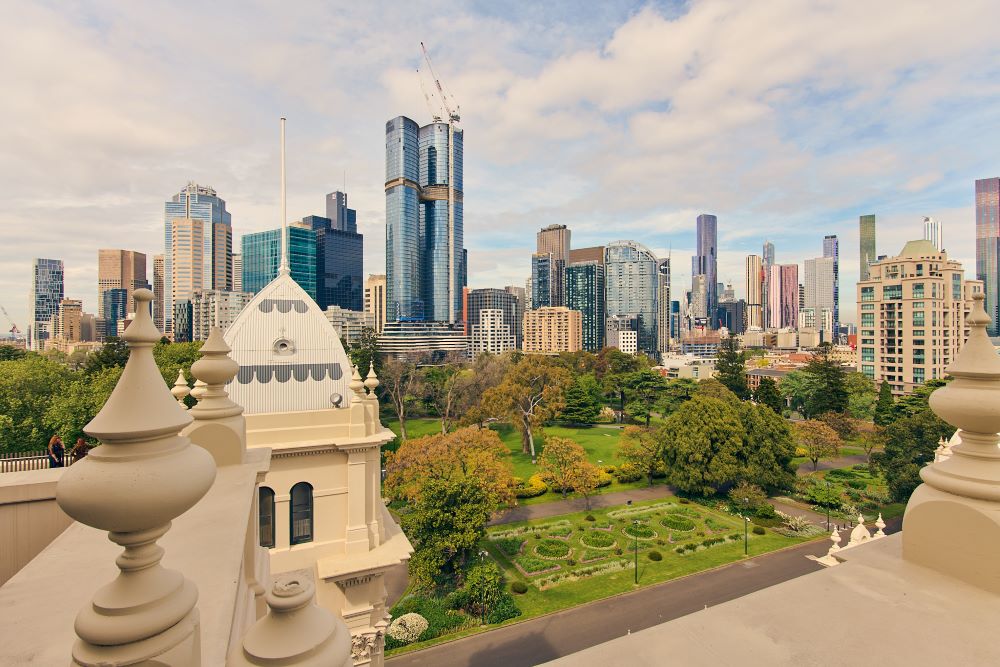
(892, 292)
(918, 290)
(918, 318)
(867, 354)
(867, 319)
(956, 286)
(868, 306)
(265, 515)
(301, 513)
(869, 371)
(867, 293)
(918, 356)
(918, 305)
(918, 375)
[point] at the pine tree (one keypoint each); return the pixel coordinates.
(831, 394)
(883, 408)
(730, 367)
(768, 394)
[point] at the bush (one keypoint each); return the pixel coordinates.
(519, 587)
(458, 599)
(508, 546)
(684, 501)
(677, 523)
(560, 531)
(773, 522)
(856, 484)
(440, 619)
(532, 564)
(551, 548)
(759, 530)
(407, 628)
(655, 556)
(598, 539)
(618, 551)
(571, 562)
(628, 473)
(590, 517)
(502, 609)
(604, 479)
(535, 486)
(765, 511)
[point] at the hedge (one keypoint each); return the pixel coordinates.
(535, 486)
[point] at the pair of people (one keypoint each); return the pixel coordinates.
(57, 451)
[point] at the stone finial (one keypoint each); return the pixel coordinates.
(371, 382)
(859, 534)
(295, 632)
(199, 389)
(143, 476)
(835, 538)
(356, 385)
(880, 524)
(181, 389)
(214, 370)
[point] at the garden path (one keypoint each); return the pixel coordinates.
(557, 507)
(840, 462)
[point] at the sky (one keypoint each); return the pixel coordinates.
(622, 120)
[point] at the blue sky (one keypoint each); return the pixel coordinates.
(787, 119)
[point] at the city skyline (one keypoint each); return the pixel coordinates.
(522, 99)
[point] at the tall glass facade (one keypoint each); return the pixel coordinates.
(867, 254)
(631, 288)
(425, 255)
(584, 290)
(199, 203)
(339, 262)
(114, 305)
(831, 248)
(705, 261)
(46, 292)
(543, 277)
(262, 257)
(988, 246)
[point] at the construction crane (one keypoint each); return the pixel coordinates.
(452, 115)
(430, 107)
(13, 327)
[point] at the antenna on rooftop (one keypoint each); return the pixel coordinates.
(283, 268)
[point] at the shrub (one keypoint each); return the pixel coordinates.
(561, 531)
(604, 479)
(502, 609)
(856, 484)
(618, 551)
(519, 587)
(660, 541)
(571, 562)
(538, 536)
(655, 556)
(590, 517)
(550, 548)
(628, 473)
(458, 599)
(440, 619)
(767, 523)
(677, 523)
(684, 501)
(679, 550)
(532, 564)
(535, 486)
(508, 546)
(759, 530)
(407, 628)
(765, 511)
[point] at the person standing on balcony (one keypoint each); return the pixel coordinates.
(56, 449)
(80, 450)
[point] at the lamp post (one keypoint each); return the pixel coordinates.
(635, 527)
(746, 528)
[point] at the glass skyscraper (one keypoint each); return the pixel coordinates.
(988, 246)
(339, 255)
(705, 262)
(43, 304)
(114, 307)
(584, 289)
(262, 257)
(197, 202)
(425, 256)
(867, 249)
(631, 288)
(831, 248)
(544, 268)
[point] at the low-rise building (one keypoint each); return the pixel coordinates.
(350, 324)
(755, 375)
(687, 366)
(553, 329)
(492, 334)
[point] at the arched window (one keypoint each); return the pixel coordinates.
(266, 516)
(302, 513)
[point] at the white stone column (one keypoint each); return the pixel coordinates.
(357, 500)
(142, 476)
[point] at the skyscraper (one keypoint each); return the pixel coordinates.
(554, 241)
(819, 281)
(158, 291)
(767, 257)
(120, 269)
(755, 292)
(932, 232)
(585, 293)
(988, 246)
(492, 299)
(43, 302)
(831, 248)
(262, 256)
(867, 251)
(544, 270)
(631, 280)
(663, 306)
(705, 262)
(237, 272)
(339, 257)
(425, 254)
(186, 264)
(114, 305)
(783, 296)
(375, 299)
(214, 256)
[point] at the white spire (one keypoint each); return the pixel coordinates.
(283, 267)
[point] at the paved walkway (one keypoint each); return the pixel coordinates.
(841, 462)
(557, 507)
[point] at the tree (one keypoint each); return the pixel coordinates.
(767, 394)
(11, 353)
(72, 408)
(560, 462)
(443, 385)
(747, 497)
(583, 400)
(831, 392)
(817, 439)
(645, 388)
(675, 393)
(910, 443)
(712, 388)
(532, 391)
(767, 448)
(400, 382)
(798, 387)
(870, 437)
(114, 352)
(916, 402)
(363, 352)
(730, 367)
(615, 367)
(586, 480)
(700, 445)
(883, 412)
(845, 427)
(861, 396)
(27, 386)
(641, 449)
(174, 357)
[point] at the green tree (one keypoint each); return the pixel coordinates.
(909, 445)
(818, 440)
(443, 386)
(730, 367)
(363, 352)
(114, 353)
(883, 413)
(615, 367)
(641, 449)
(583, 400)
(27, 386)
(701, 441)
(767, 394)
(861, 396)
(916, 401)
(174, 357)
(747, 498)
(560, 462)
(400, 382)
(645, 388)
(79, 401)
(798, 387)
(767, 448)
(11, 353)
(831, 392)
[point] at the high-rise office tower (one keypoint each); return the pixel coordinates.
(425, 255)
(867, 254)
(237, 272)
(66, 324)
(43, 302)
(262, 256)
(120, 269)
(114, 305)
(831, 248)
(755, 292)
(544, 279)
(158, 291)
(819, 285)
(186, 264)
(932, 232)
(214, 255)
(339, 255)
(783, 296)
(375, 299)
(699, 300)
(988, 246)
(585, 292)
(663, 306)
(554, 241)
(705, 261)
(631, 279)
(733, 316)
(492, 299)
(589, 254)
(768, 253)
(767, 261)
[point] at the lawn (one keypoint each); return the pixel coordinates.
(868, 493)
(568, 560)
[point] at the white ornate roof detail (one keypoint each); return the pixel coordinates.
(290, 357)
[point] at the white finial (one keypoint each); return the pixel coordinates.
(181, 389)
(880, 524)
(283, 267)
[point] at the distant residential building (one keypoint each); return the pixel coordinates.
(705, 263)
(478, 300)
(866, 224)
(631, 279)
(158, 292)
(704, 345)
(755, 375)
(820, 283)
(675, 319)
(932, 232)
(584, 286)
(491, 333)
(528, 294)
(699, 300)
(783, 296)
(545, 284)
(436, 340)
(553, 241)
(831, 249)
(591, 254)
(686, 366)
(183, 319)
(553, 329)
(622, 332)
(733, 316)
(339, 255)
(88, 328)
(262, 257)
(755, 292)
(912, 311)
(237, 272)
(210, 308)
(988, 247)
(65, 324)
(120, 269)
(203, 256)
(349, 324)
(43, 301)
(375, 299)
(767, 261)
(663, 306)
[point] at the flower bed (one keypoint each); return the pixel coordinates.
(707, 543)
(715, 524)
(531, 565)
(582, 573)
(560, 531)
(591, 555)
(514, 532)
(676, 522)
(685, 511)
(633, 511)
(508, 546)
(552, 548)
(598, 540)
(640, 532)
